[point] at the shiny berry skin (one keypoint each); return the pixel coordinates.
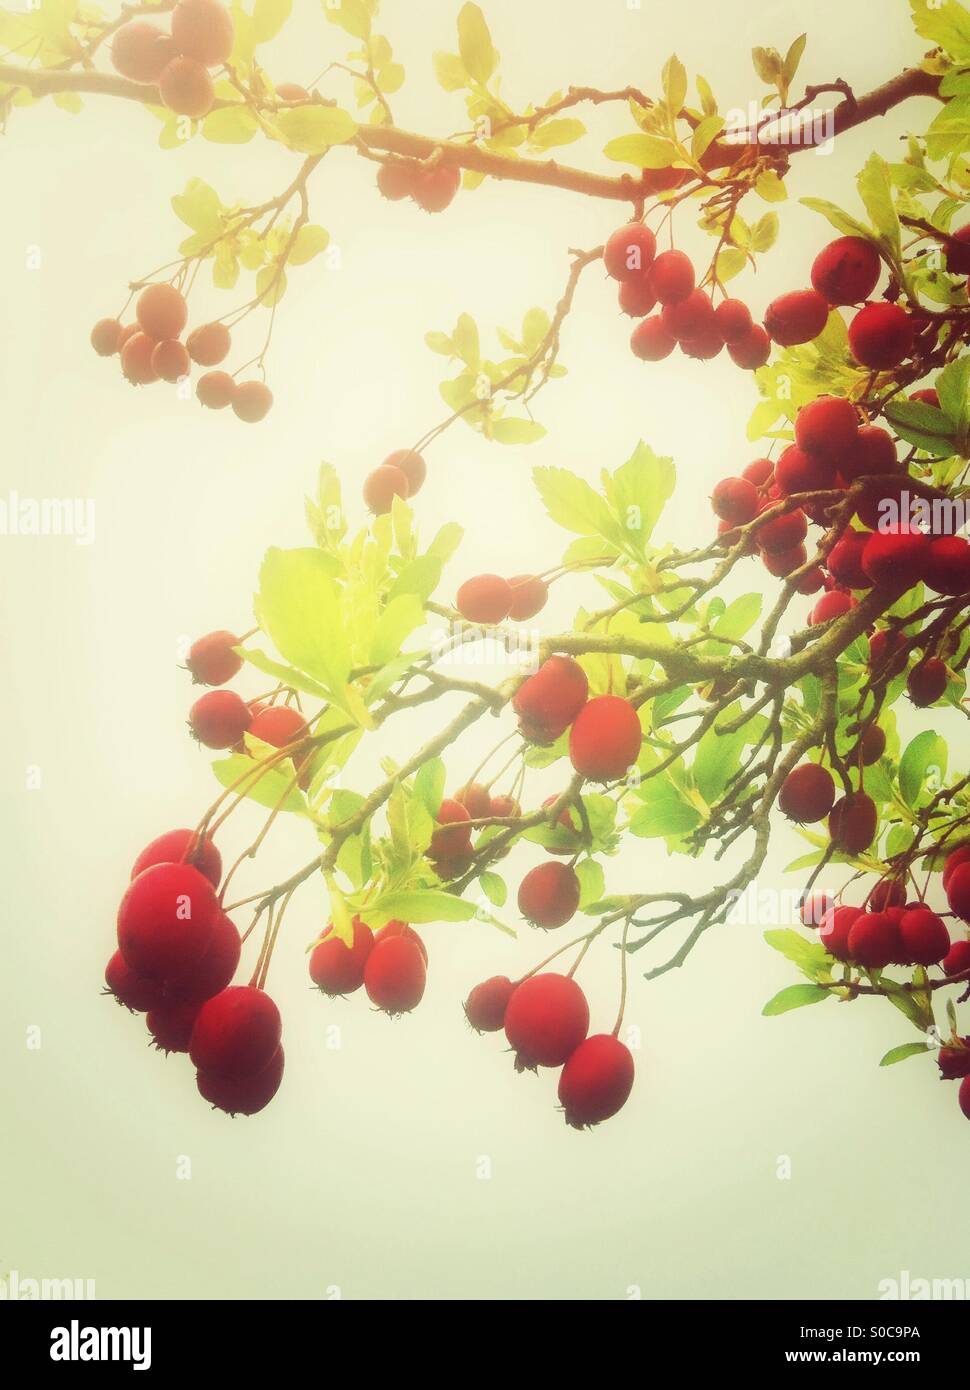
(954, 1062)
(946, 567)
(955, 962)
(853, 822)
(335, 967)
(219, 718)
(752, 351)
(596, 1081)
(872, 453)
(629, 251)
(137, 992)
(215, 390)
(650, 340)
(209, 344)
(798, 471)
(605, 738)
(486, 1004)
(548, 702)
(278, 725)
(136, 359)
(732, 319)
(396, 928)
(845, 559)
(671, 277)
(958, 252)
(887, 653)
(200, 979)
(897, 555)
(847, 270)
(759, 471)
(203, 30)
(872, 744)
(636, 297)
(171, 848)
(807, 794)
(211, 659)
(166, 919)
(546, 1019)
(245, 1095)
(382, 486)
(171, 1026)
(964, 1096)
(828, 426)
(735, 500)
(236, 1033)
(529, 596)
(251, 401)
(811, 581)
(834, 604)
(781, 563)
(834, 930)
(161, 312)
(485, 599)
(395, 975)
(549, 895)
(873, 940)
(411, 464)
(170, 361)
(927, 682)
(925, 938)
(690, 318)
(953, 861)
(881, 336)
(796, 317)
(958, 891)
(453, 836)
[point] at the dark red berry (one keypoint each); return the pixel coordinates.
(335, 967)
(735, 500)
(546, 1019)
(172, 847)
(807, 794)
(605, 738)
(834, 930)
(671, 277)
(548, 702)
(245, 1095)
(485, 599)
(549, 895)
(925, 938)
(395, 975)
(236, 1033)
(927, 682)
(796, 317)
(629, 251)
(847, 270)
(211, 659)
(486, 1004)
(873, 940)
(881, 335)
(219, 718)
(596, 1081)
(852, 823)
(166, 919)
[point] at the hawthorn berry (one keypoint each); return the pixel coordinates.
(873, 452)
(798, 471)
(925, 938)
(396, 928)
(166, 919)
(887, 653)
(244, 1095)
(186, 88)
(954, 1062)
(629, 251)
(636, 297)
(760, 472)
(835, 604)
(845, 559)
(811, 581)
(476, 800)
(735, 500)
(827, 426)
(690, 318)
(546, 1019)
(236, 1032)
(529, 596)
(596, 1081)
(834, 930)
(382, 486)
(958, 252)
(161, 312)
(434, 189)
(881, 335)
(396, 178)
(453, 837)
(199, 979)
(128, 331)
(703, 348)
(752, 351)
(888, 892)
(137, 992)
(549, 895)
(251, 401)
(964, 1096)
(412, 465)
(486, 1004)
(209, 344)
(671, 277)
(928, 396)
(171, 1026)
(953, 861)
(783, 532)
(605, 738)
(292, 91)
(927, 682)
(219, 718)
(947, 565)
(547, 703)
(955, 962)
(485, 599)
(650, 340)
(505, 806)
(896, 555)
(807, 794)
(852, 822)
(873, 940)
(203, 30)
(813, 908)
(215, 390)
(173, 848)
(957, 891)
(212, 660)
(847, 270)
(880, 503)
(136, 360)
(732, 319)
(872, 744)
(278, 725)
(170, 360)
(796, 317)
(139, 51)
(781, 563)
(395, 975)
(105, 336)
(335, 967)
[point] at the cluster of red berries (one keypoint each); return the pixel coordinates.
(400, 475)
(433, 189)
(390, 963)
(177, 954)
(546, 1022)
(151, 349)
(178, 62)
(687, 315)
(488, 598)
(220, 718)
(605, 735)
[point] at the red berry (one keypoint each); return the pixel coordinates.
(278, 725)
(887, 653)
(161, 312)
(897, 555)
(236, 1033)
(215, 390)
(128, 331)
(395, 975)
(954, 1062)
(219, 718)
(704, 348)
(760, 472)
(847, 270)
(170, 360)
(139, 51)
(888, 892)
(137, 992)
(171, 848)
(872, 744)
(947, 565)
(834, 930)
(203, 30)
(957, 891)
(853, 822)
(251, 401)
(752, 351)
(212, 660)
(292, 91)
(781, 563)
(548, 702)
(811, 581)
(529, 596)
(798, 471)
(596, 1081)
(395, 928)
(828, 426)
(881, 335)
(873, 940)
(880, 503)
(964, 1096)
(382, 486)
(924, 935)
(629, 251)
(435, 189)
(835, 604)
(171, 1026)
(396, 178)
(209, 975)
(783, 532)
(105, 336)
(605, 739)
(796, 317)
(209, 344)
(671, 277)
(549, 895)
(453, 837)
(412, 465)
(486, 1004)
(955, 962)
(505, 806)
(485, 599)
(953, 862)
(733, 321)
(636, 297)
(845, 559)
(813, 909)
(928, 396)
(807, 794)
(735, 500)
(546, 1019)
(690, 318)
(335, 967)
(873, 452)
(650, 340)
(958, 252)
(476, 800)
(927, 682)
(245, 1095)
(136, 359)
(166, 919)
(186, 88)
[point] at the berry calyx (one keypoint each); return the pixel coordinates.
(596, 1081)
(382, 486)
(203, 30)
(629, 251)
(166, 919)
(549, 895)
(171, 1026)
(881, 336)
(796, 317)
(181, 846)
(485, 599)
(245, 1095)
(486, 1004)
(215, 390)
(807, 794)
(395, 975)
(137, 992)
(236, 1033)
(335, 967)
(852, 822)
(548, 702)
(209, 344)
(546, 1019)
(847, 270)
(605, 738)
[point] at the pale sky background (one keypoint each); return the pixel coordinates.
(364, 1173)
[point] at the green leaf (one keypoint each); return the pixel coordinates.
(767, 64)
(927, 750)
(792, 59)
(450, 71)
(423, 905)
(230, 125)
(923, 425)
(840, 220)
(953, 387)
(310, 241)
(811, 957)
(794, 997)
(199, 207)
(401, 615)
(899, 1054)
(300, 607)
(716, 760)
(268, 790)
(591, 882)
(764, 233)
(771, 187)
(353, 16)
(739, 616)
(572, 502)
(494, 888)
(429, 785)
(943, 22)
(559, 132)
(875, 189)
(269, 16)
(475, 43)
(640, 490)
(465, 342)
(643, 151)
(313, 129)
(950, 129)
(674, 79)
(705, 133)
(270, 285)
(511, 430)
